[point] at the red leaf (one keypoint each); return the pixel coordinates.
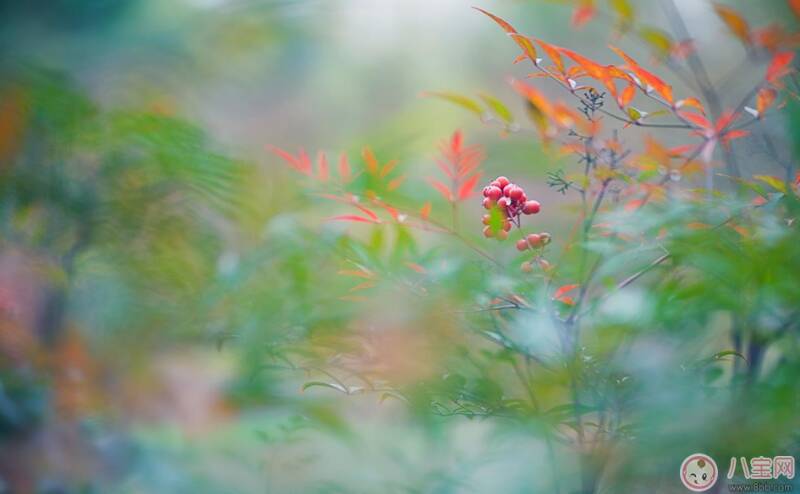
(322, 167)
(344, 168)
(696, 119)
(300, 163)
(416, 267)
(467, 188)
(564, 289)
(352, 217)
(443, 189)
(734, 134)
(778, 67)
(583, 14)
(369, 213)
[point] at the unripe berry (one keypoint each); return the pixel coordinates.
(485, 219)
(502, 181)
(534, 240)
(487, 232)
(502, 235)
(526, 267)
(544, 264)
(487, 203)
(503, 202)
(546, 238)
(531, 207)
(507, 226)
(516, 193)
(522, 245)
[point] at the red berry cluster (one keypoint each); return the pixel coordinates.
(512, 202)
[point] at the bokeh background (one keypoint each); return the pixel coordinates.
(154, 254)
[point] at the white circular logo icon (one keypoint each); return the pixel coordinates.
(699, 472)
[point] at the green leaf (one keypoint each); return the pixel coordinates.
(498, 107)
(460, 100)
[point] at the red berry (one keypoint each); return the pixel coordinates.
(516, 193)
(522, 245)
(507, 226)
(485, 219)
(487, 232)
(502, 181)
(534, 240)
(493, 192)
(526, 267)
(523, 199)
(531, 207)
(507, 189)
(502, 235)
(503, 202)
(488, 203)
(495, 183)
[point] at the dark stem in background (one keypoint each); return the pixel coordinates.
(700, 74)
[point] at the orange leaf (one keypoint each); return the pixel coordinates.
(527, 46)
(363, 286)
(395, 183)
(552, 52)
(626, 96)
(387, 168)
(795, 6)
(467, 187)
(501, 22)
(735, 22)
(778, 66)
(766, 96)
(691, 102)
(322, 167)
(425, 211)
(359, 273)
(648, 79)
(563, 290)
(370, 160)
(369, 213)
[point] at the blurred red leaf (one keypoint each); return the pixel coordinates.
(564, 289)
(322, 167)
(795, 6)
(778, 67)
(352, 217)
(344, 168)
(467, 188)
(300, 162)
(443, 189)
(583, 13)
